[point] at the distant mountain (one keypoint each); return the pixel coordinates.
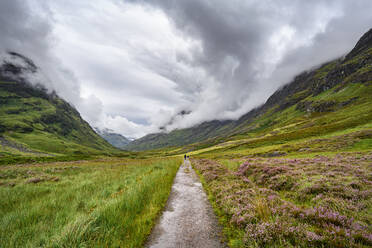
(336, 87)
(113, 138)
(34, 121)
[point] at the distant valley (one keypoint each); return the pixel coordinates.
(115, 139)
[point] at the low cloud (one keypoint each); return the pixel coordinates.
(133, 66)
(250, 48)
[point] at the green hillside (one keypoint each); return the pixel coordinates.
(34, 122)
(336, 97)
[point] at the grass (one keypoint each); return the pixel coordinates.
(99, 203)
(8, 159)
(230, 164)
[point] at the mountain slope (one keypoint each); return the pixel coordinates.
(35, 122)
(115, 139)
(339, 91)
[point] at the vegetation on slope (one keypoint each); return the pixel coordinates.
(34, 122)
(345, 129)
(100, 203)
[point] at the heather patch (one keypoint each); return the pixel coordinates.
(306, 202)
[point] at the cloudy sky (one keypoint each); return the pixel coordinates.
(132, 66)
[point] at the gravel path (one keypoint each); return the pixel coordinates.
(188, 220)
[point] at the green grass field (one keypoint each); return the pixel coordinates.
(99, 203)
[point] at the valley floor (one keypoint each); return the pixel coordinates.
(313, 193)
(99, 203)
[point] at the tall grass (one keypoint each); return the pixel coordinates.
(107, 203)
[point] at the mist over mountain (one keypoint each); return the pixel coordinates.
(341, 73)
(216, 60)
(35, 121)
(115, 139)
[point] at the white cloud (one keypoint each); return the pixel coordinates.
(109, 60)
(132, 66)
(125, 127)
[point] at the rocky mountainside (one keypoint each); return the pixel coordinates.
(332, 87)
(34, 121)
(115, 139)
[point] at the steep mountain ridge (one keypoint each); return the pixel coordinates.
(352, 72)
(35, 121)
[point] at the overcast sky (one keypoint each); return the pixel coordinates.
(131, 66)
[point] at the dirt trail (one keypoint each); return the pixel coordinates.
(188, 220)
